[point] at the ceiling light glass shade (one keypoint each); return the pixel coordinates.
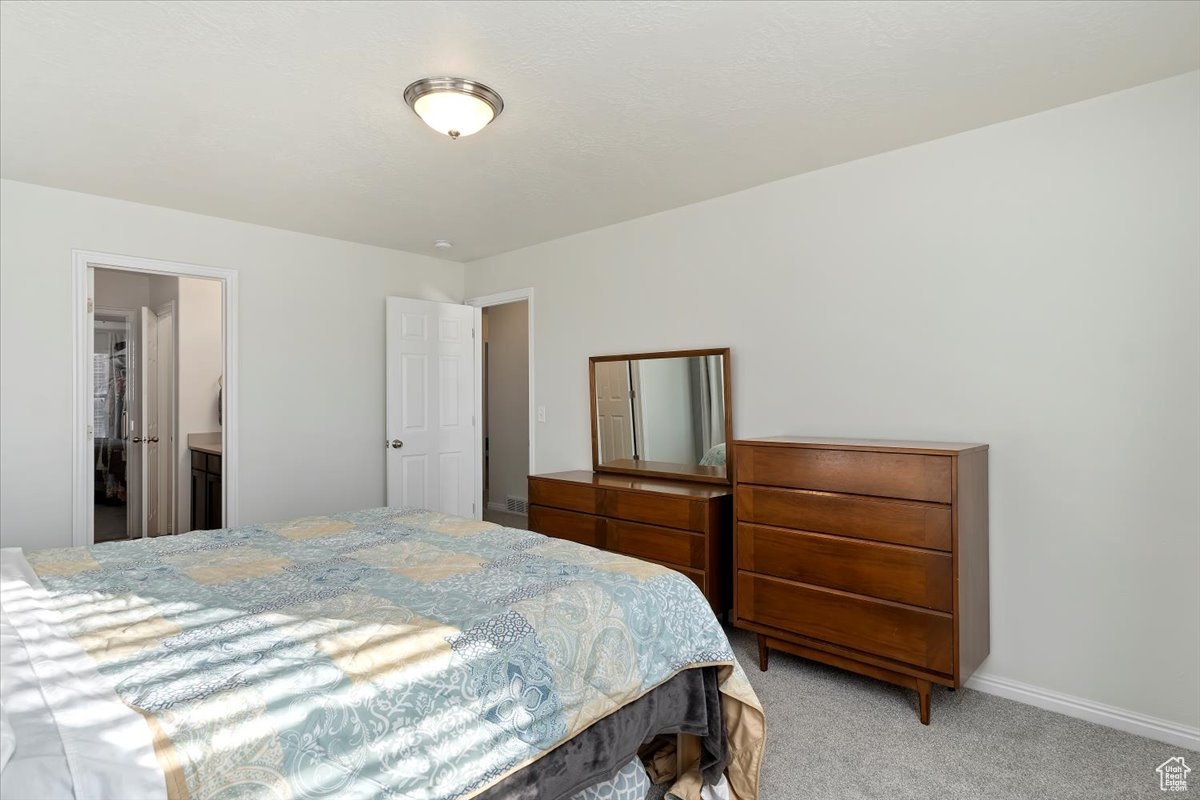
(453, 106)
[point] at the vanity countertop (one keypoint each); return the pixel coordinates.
(205, 442)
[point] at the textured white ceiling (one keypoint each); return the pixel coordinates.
(290, 114)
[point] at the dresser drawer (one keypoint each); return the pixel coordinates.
(663, 545)
(569, 496)
(901, 633)
(900, 475)
(582, 528)
(887, 571)
(895, 521)
(656, 509)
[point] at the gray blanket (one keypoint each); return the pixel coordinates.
(688, 703)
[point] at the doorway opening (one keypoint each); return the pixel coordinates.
(154, 451)
(506, 405)
(158, 361)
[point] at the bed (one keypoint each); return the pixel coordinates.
(387, 653)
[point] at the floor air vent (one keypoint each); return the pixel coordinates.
(517, 505)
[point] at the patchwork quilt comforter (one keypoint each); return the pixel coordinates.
(382, 654)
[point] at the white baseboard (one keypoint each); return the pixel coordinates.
(503, 509)
(1123, 720)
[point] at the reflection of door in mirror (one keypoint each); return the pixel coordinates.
(614, 421)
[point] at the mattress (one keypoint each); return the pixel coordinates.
(394, 653)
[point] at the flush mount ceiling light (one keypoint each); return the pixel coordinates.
(453, 106)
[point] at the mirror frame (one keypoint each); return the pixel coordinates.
(662, 469)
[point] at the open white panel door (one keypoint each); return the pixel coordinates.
(135, 428)
(431, 458)
(162, 437)
(150, 415)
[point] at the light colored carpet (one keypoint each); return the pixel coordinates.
(832, 734)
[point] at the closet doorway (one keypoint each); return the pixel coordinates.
(506, 405)
(154, 451)
(133, 417)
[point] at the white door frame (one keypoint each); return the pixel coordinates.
(499, 299)
(81, 384)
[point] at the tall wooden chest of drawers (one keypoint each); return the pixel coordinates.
(681, 525)
(868, 555)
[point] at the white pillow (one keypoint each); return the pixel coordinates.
(73, 737)
(8, 740)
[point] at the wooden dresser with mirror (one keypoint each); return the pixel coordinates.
(659, 488)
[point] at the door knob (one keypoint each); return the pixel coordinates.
(397, 444)
(136, 440)
(153, 439)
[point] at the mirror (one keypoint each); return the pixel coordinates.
(663, 414)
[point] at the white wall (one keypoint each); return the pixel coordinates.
(1033, 285)
(508, 400)
(311, 351)
(201, 352)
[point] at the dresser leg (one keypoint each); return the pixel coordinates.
(762, 652)
(923, 691)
